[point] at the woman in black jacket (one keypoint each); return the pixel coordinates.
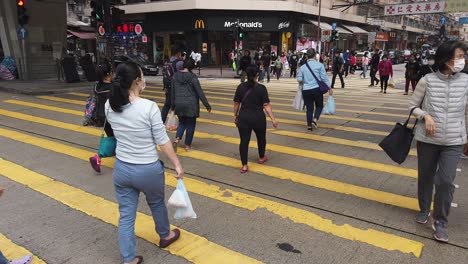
(185, 101)
(412, 72)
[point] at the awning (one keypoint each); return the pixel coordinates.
(326, 26)
(83, 35)
(356, 30)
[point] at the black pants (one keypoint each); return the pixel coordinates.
(278, 73)
(167, 104)
(384, 82)
(340, 74)
(313, 100)
(346, 70)
(413, 84)
(245, 131)
(293, 72)
(373, 73)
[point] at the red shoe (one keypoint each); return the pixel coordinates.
(261, 161)
(95, 163)
(242, 170)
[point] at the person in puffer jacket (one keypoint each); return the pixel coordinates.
(385, 71)
(440, 101)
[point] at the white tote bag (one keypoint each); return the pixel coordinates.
(298, 102)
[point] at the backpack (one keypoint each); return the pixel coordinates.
(278, 64)
(168, 72)
(90, 113)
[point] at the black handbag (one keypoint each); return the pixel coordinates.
(398, 143)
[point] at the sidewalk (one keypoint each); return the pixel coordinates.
(43, 87)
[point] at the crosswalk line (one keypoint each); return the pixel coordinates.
(13, 251)
(355, 111)
(274, 172)
(310, 136)
(327, 126)
(369, 236)
(316, 155)
(190, 246)
(215, 111)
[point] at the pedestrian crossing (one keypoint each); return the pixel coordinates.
(340, 160)
(13, 251)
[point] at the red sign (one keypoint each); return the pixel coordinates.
(144, 39)
(138, 29)
(101, 30)
(381, 36)
(415, 8)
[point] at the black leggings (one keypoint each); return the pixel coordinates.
(384, 82)
(245, 132)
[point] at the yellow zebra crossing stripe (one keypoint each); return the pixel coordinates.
(372, 237)
(13, 251)
(310, 180)
(190, 246)
(357, 163)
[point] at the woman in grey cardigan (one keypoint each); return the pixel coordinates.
(440, 100)
(186, 95)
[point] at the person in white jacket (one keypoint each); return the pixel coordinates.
(440, 101)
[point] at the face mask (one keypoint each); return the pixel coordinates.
(417, 57)
(458, 65)
(431, 62)
(144, 85)
(384, 59)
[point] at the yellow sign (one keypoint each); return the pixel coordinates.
(199, 24)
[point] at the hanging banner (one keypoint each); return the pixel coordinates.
(415, 8)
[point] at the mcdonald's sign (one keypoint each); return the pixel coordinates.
(199, 24)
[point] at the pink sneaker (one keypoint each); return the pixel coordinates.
(95, 163)
(24, 260)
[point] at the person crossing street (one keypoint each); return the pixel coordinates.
(338, 67)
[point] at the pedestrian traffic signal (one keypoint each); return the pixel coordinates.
(97, 15)
(23, 18)
(334, 36)
(240, 32)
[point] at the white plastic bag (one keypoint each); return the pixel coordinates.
(172, 122)
(177, 199)
(298, 102)
(330, 108)
(187, 211)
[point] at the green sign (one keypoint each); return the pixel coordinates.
(457, 6)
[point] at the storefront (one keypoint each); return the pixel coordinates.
(213, 33)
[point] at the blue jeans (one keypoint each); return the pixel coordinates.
(364, 70)
(186, 124)
(129, 181)
(3, 260)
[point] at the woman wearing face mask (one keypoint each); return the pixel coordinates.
(427, 68)
(385, 71)
(186, 96)
(138, 128)
(411, 74)
(440, 101)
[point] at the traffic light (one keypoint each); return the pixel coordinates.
(240, 32)
(97, 15)
(23, 18)
(334, 36)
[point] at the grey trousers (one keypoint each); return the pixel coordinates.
(437, 165)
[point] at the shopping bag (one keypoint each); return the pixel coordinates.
(298, 102)
(172, 122)
(177, 199)
(187, 211)
(234, 66)
(398, 143)
(391, 83)
(330, 108)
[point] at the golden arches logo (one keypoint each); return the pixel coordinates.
(199, 24)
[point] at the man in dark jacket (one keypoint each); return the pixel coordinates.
(338, 67)
(266, 65)
(293, 61)
(246, 60)
(186, 94)
(374, 67)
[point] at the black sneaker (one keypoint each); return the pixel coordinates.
(440, 232)
(422, 217)
(314, 124)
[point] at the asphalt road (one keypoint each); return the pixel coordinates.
(328, 196)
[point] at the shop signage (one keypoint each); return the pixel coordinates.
(101, 30)
(283, 25)
(415, 8)
(247, 23)
(130, 28)
(392, 35)
(375, 22)
(138, 29)
(199, 24)
(381, 36)
(252, 24)
(144, 39)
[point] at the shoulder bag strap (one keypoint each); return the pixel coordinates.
(311, 71)
(105, 121)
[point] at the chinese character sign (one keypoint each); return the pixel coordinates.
(416, 8)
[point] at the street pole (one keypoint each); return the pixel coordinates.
(25, 62)
(319, 30)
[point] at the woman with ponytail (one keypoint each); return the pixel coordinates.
(138, 128)
(250, 101)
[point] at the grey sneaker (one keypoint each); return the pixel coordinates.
(24, 260)
(440, 232)
(422, 217)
